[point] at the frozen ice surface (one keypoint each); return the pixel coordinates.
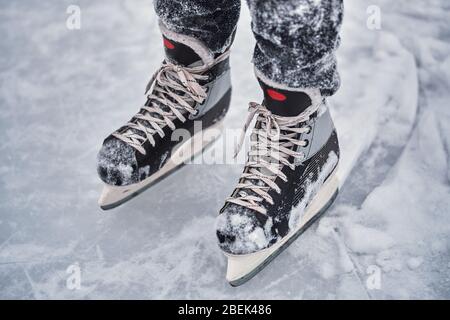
(63, 91)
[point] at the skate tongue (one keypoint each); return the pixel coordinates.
(179, 53)
(284, 103)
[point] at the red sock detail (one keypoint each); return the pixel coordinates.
(275, 95)
(168, 44)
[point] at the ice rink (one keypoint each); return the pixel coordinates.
(63, 91)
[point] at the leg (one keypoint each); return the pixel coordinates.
(296, 40)
(290, 179)
(210, 21)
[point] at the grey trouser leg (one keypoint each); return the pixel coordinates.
(295, 39)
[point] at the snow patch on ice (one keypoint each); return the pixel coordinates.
(24, 252)
(144, 171)
(153, 247)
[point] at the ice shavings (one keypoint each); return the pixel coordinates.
(242, 228)
(189, 18)
(144, 172)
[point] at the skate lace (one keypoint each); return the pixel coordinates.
(274, 139)
(176, 90)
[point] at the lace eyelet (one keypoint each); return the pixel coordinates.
(306, 143)
(309, 129)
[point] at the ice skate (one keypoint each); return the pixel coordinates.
(191, 91)
(289, 179)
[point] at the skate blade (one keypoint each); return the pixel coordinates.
(113, 196)
(241, 268)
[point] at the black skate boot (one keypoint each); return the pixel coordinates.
(192, 86)
(289, 180)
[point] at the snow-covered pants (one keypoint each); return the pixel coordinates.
(295, 39)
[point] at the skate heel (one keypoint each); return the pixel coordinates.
(242, 268)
